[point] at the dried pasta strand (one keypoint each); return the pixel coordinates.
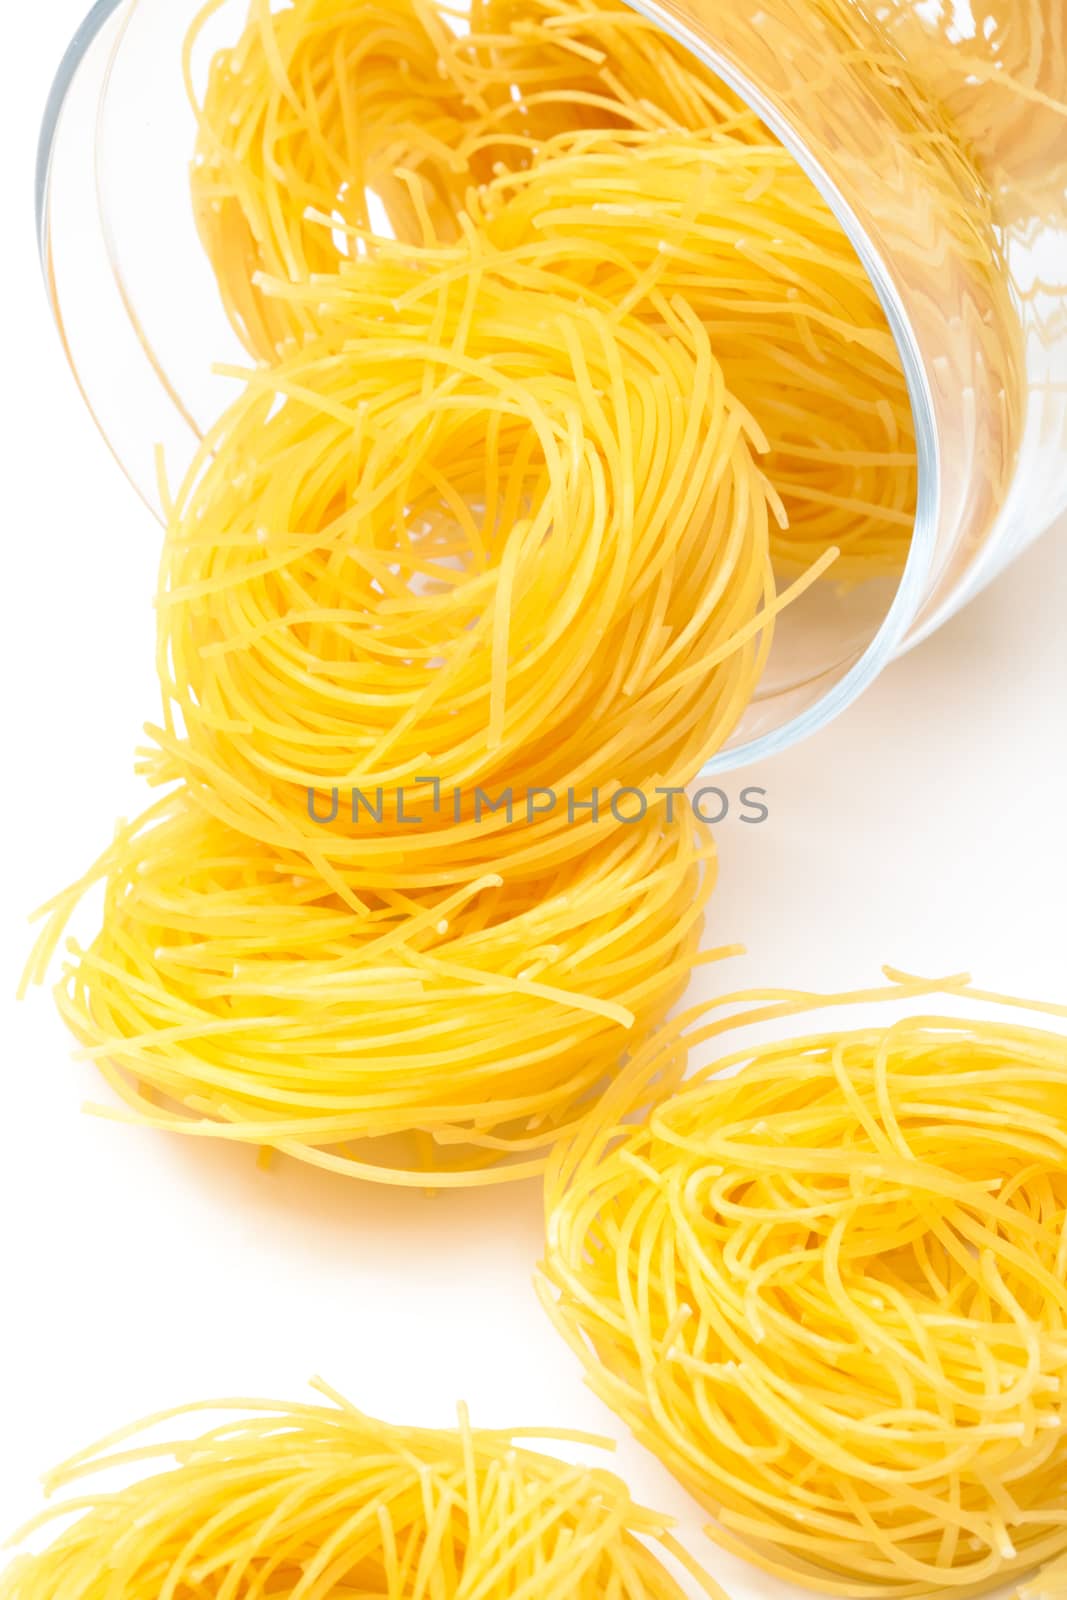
(318, 1500)
(826, 1283)
(438, 1039)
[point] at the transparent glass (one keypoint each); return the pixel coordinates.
(951, 185)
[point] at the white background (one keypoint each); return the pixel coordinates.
(926, 828)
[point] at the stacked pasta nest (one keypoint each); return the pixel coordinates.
(563, 383)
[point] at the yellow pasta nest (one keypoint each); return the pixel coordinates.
(829, 1290)
(637, 222)
(385, 115)
(315, 1501)
(491, 545)
(441, 1039)
(586, 136)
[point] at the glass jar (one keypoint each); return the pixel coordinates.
(936, 131)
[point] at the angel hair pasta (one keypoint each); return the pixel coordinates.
(495, 546)
(317, 1500)
(826, 1282)
(586, 133)
(639, 220)
(384, 115)
(439, 1039)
